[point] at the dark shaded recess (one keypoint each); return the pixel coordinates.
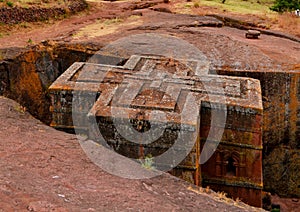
(231, 169)
(107, 60)
(129, 149)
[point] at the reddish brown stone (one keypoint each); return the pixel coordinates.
(189, 97)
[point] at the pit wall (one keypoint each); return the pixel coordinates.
(26, 76)
(281, 129)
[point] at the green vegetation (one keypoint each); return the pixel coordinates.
(196, 5)
(148, 162)
(259, 7)
(250, 6)
(20, 109)
(241, 6)
(285, 5)
(10, 4)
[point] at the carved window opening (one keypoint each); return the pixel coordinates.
(231, 167)
(230, 164)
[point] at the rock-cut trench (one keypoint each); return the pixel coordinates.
(26, 74)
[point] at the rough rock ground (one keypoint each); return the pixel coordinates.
(42, 169)
(92, 26)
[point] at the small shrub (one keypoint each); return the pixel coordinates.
(20, 109)
(285, 5)
(187, 5)
(23, 25)
(10, 4)
(196, 5)
(148, 162)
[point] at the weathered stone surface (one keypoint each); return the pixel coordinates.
(278, 130)
(130, 92)
(254, 34)
(281, 127)
(282, 167)
(183, 20)
(275, 88)
(279, 87)
(26, 74)
(3, 78)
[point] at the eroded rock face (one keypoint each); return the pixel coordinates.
(281, 129)
(27, 75)
(282, 166)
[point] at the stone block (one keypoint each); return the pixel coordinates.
(120, 106)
